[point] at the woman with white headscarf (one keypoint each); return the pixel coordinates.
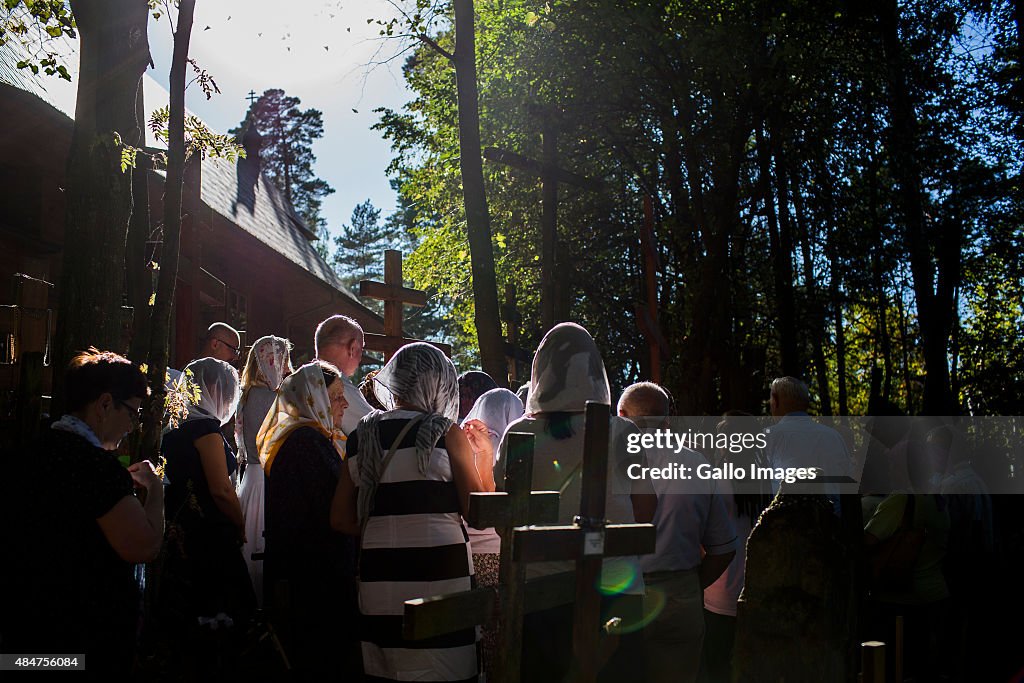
(410, 472)
(567, 373)
(309, 569)
(266, 367)
(204, 574)
(484, 425)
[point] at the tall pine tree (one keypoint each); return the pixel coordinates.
(286, 154)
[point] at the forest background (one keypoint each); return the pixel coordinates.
(835, 191)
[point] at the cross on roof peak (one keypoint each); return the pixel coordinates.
(252, 97)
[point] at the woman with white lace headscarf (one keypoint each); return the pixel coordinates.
(204, 575)
(407, 484)
(267, 366)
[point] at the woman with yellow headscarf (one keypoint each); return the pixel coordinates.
(309, 569)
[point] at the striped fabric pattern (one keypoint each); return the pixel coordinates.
(414, 546)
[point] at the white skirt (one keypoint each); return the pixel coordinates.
(250, 495)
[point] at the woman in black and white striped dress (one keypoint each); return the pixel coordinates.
(410, 472)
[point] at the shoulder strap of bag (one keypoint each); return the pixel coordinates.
(391, 454)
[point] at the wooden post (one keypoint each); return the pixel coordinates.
(897, 671)
(29, 402)
(512, 575)
(587, 612)
(872, 662)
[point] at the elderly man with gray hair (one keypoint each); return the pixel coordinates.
(797, 440)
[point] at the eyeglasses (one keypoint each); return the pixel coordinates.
(234, 349)
(134, 413)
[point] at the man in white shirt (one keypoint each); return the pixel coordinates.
(339, 341)
(695, 543)
(798, 441)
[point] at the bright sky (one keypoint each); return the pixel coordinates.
(316, 50)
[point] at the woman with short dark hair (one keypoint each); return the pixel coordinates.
(69, 585)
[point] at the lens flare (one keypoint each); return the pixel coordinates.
(654, 604)
(617, 578)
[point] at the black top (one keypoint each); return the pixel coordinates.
(68, 591)
(299, 491)
(185, 469)
(305, 558)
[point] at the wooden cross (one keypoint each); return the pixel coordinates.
(587, 541)
(554, 291)
(394, 295)
(252, 97)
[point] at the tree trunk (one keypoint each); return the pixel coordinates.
(549, 251)
(114, 52)
(160, 328)
(138, 276)
(814, 304)
(934, 333)
(782, 268)
(485, 288)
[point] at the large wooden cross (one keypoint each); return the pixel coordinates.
(554, 291)
(515, 513)
(394, 295)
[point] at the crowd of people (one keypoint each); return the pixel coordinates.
(325, 506)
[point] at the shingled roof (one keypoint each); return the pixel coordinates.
(244, 196)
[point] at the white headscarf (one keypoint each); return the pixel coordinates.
(272, 359)
(218, 390)
(302, 401)
(497, 409)
(567, 372)
(422, 377)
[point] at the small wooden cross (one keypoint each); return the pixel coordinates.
(252, 97)
(394, 295)
(588, 542)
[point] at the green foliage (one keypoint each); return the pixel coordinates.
(35, 24)
(742, 121)
(199, 139)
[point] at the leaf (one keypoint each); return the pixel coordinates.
(532, 18)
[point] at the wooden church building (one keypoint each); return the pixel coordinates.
(246, 257)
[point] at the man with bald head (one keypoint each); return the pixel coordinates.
(221, 342)
(695, 543)
(339, 341)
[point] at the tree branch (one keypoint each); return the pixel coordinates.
(437, 48)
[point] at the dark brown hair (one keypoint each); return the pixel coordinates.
(93, 373)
